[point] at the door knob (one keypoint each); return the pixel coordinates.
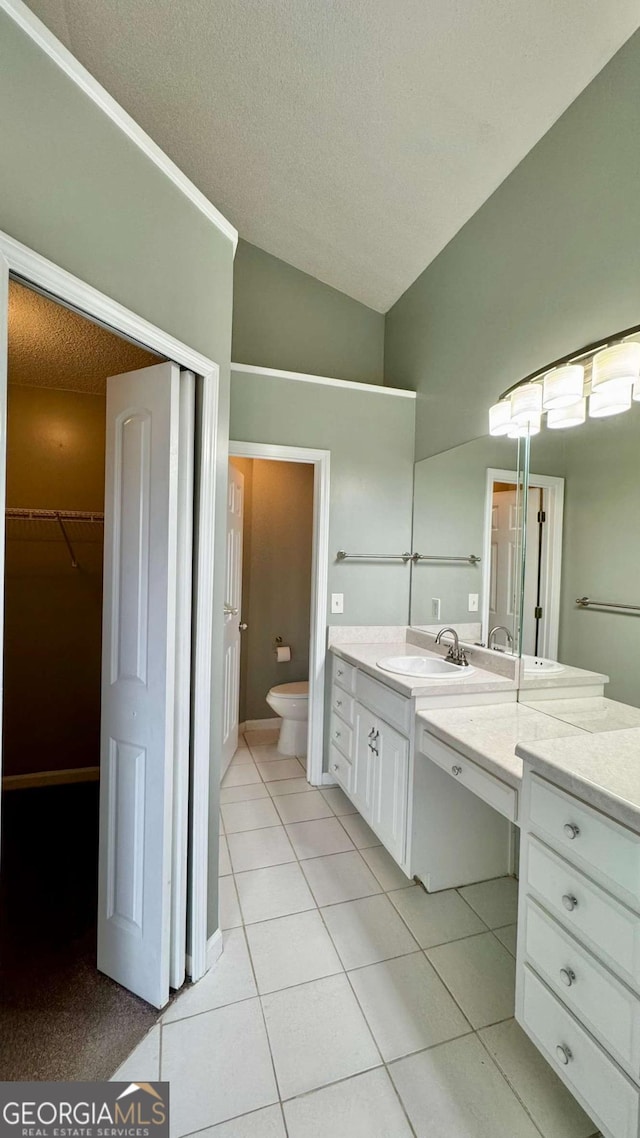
(243, 626)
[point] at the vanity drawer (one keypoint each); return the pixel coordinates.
(341, 735)
(342, 704)
(341, 769)
(344, 674)
(383, 701)
(591, 992)
(587, 837)
(610, 929)
(605, 1092)
(486, 786)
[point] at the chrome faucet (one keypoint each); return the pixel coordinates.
(499, 628)
(456, 654)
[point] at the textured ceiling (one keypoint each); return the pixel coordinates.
(50, 346)
(352, 138)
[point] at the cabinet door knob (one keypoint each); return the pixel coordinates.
(567, 975)
(336, 767)
(339, 672)
(563, 1054)
(337, 734)
(456, 770)
(570, 902)
(338, 703)
(571, 830)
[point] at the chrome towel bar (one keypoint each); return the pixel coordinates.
(586, 602)
(471, 559)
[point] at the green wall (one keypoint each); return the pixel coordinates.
(285, 319)
(551, 261)
(75, 189)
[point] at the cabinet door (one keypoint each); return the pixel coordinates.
(389, 817)
(363, 757)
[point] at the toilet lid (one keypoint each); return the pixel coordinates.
(301, 687)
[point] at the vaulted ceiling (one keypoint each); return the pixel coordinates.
(351, 138)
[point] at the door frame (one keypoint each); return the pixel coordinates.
(553, 558)
(321, 462)
(35, 271)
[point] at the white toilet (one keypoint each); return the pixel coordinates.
(291, 703)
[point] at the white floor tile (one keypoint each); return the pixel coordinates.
(240, 774)
(243, 793)
(338, 801)
(291, 950)
(256, 849)
(435, 918)
(229, 980)
(549, 1103)
(242, 755)
(143, 1064)
(267, 752)
(253, 815)
(205, 1058)
(303, 807)
(495, 902)
(508, 937)
(406, 1005)
(387, 870)
(316, 839)
(317, 1034)
(221, 821)
(280, 768)
(360, 833)
(340, 877)
(455, 1090)
(224, 861)
(228, 907)
(289, 786)
(266, 1123)
(365, 1106)
(259, 736)
(273, 892)
(480, 974)
(367, 930)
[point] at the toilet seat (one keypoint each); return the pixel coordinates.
(292, 691)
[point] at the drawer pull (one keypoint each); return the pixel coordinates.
(571, 830)
(570, 902)
(568, 976)
(456, 770)
(563, 1054)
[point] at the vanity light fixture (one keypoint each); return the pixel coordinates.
(605, 376)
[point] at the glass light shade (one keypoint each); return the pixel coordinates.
(524, 430)
(618, 366)
(636, 390)
(563, 387)
(526, 404)
(573, 416)
(614, 399)
(500, 418)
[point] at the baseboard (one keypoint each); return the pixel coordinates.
(261, 724)
(214, 949)
(50, 778)
(328, 779)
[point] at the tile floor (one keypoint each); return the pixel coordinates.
(348, 1003)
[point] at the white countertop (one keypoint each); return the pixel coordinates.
(602, 769)
(366, 656)
(567, 678)
(489, 735)
(595, 714)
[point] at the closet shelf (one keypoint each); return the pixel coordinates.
(59, 517)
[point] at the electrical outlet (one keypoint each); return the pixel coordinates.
(474, 600)
(337, 602)
(435, 608)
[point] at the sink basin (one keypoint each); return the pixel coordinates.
(424, 667)
(537, 665)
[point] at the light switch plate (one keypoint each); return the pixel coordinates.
(435, 608)
(474, 600)
(337, 602)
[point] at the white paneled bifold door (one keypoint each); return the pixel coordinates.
(139, 665)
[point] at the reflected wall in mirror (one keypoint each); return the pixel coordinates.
(467, 532)
(598, 542)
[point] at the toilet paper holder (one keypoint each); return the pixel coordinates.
(282, 651)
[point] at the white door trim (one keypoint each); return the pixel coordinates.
(21, 262)
(321, 461)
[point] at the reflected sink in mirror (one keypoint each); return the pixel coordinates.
(424, 667)
(534, 665)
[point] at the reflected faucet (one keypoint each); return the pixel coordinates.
(499, 628)
(456, 654)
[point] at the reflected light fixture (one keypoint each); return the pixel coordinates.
(572, 416)
(526, 405)
(617, 366)
(500, 418)
(615, 398)
(563, 387)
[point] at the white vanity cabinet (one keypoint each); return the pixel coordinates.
(370, 750)
(578, 957)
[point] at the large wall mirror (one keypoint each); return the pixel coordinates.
(581, 600)
(468, 535)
